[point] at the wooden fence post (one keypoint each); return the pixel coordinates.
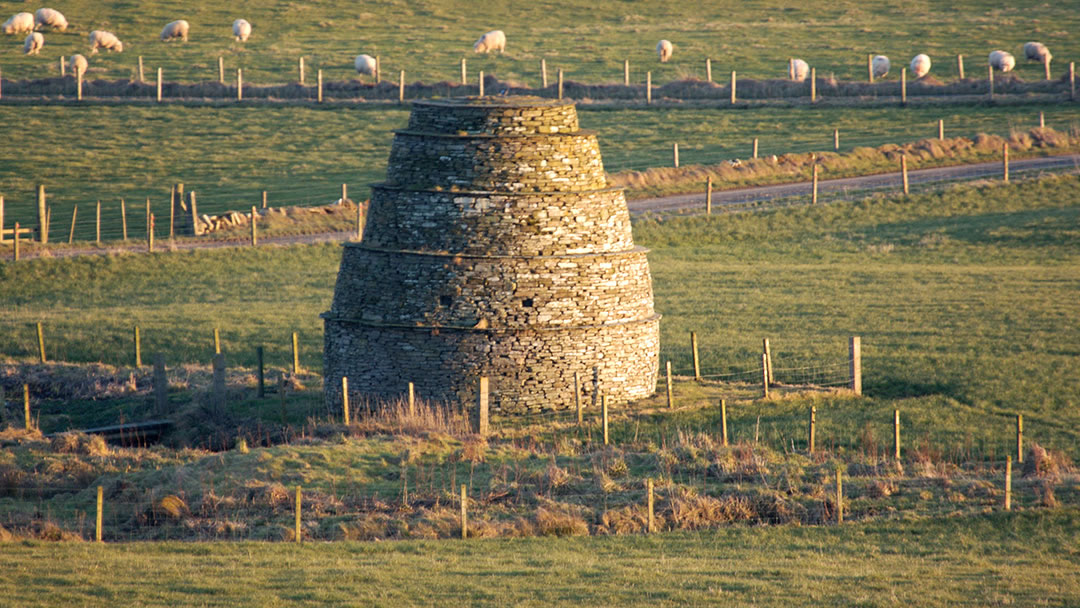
(239, 84)
(401, 87)
(1008, 483)
(560, 84)
(71, 233)
(100, 508)
(836, 140)
(811, 430)
(1042, 120)
(765, 348)
(78, 84)
(221, 69)
(723, 422)
(626, 72)
(464, 513)
(15, 243)
(960, 66)
(480, 84)
(708, 195)
(941, 129)
(903, 86)
(675, 155)
(138, 348)
(150, 235)
(264, 199)
(97, 223)
(694, 354)
(839, 496)
(1072, 80)
(482, 406)
(260, 373)
(990, 80)
(378, 69)
(813, 85)
(755, 147)
(1020, 438)
(648, 87)
(903, 173)
(301, 69)
(159, 85)
(791, 68)
(41, 342)
(254, 228)
(896, 434)
(577, 397)
(464, 73)
(217, 341)
(27, 422)
(43, 212)
(604, 416)
(318, 87)
(855, 363)
(1046, 68)
(708, 69)
(543, 73)
(295, 354)
(141, 78)
(670, 395)
(764, 377)
(345, 399)
(161, 385)
(733, 85)
(814, 183)
(296, 531)
(652, 516)
(1005, 162)
(412, 399)
(870, 68)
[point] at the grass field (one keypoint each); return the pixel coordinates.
(1020, 559)
(427, 39)
(228, 156)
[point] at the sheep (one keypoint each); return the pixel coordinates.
(920, 65)
(100, 39)
(50, 17)
(880, 65)
(1037, 51)
(241, 29)
(176, 29)
(365, 64)
(19, 23)
(78, 65)
(664, 49)
(495, 40)
(1002, 61)
(798, 70)
(33, 43)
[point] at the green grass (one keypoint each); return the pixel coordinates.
(228, 156)
(428, 39)
(1021, 559)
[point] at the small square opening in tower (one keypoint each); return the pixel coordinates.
(527, 302)
(445, 301)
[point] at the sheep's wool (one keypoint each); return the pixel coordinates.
(494, 248)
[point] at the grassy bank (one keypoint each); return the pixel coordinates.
(1022, 559)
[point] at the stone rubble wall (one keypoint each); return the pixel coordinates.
(540, 117)
(498, 223)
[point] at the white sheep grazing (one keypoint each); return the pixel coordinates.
(1002, 61)
(50, 17)
(33, 43)
(880, 65)
(920, 65)
(664, 49)
(241, 30)
(1037, 51)
(78, 64)
(100, 39)
(19, 23)
(176, 29)
(365, 64)
(798, 70)
(495, 40)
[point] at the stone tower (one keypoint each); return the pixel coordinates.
(494, 248)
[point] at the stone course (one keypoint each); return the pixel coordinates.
(494, 248)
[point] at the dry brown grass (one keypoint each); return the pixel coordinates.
(560, 523)
(1046, 464)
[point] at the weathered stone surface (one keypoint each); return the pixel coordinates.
(494, 248)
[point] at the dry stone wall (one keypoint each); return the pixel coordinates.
(495, 248)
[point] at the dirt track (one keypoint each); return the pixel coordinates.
(853, 186)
